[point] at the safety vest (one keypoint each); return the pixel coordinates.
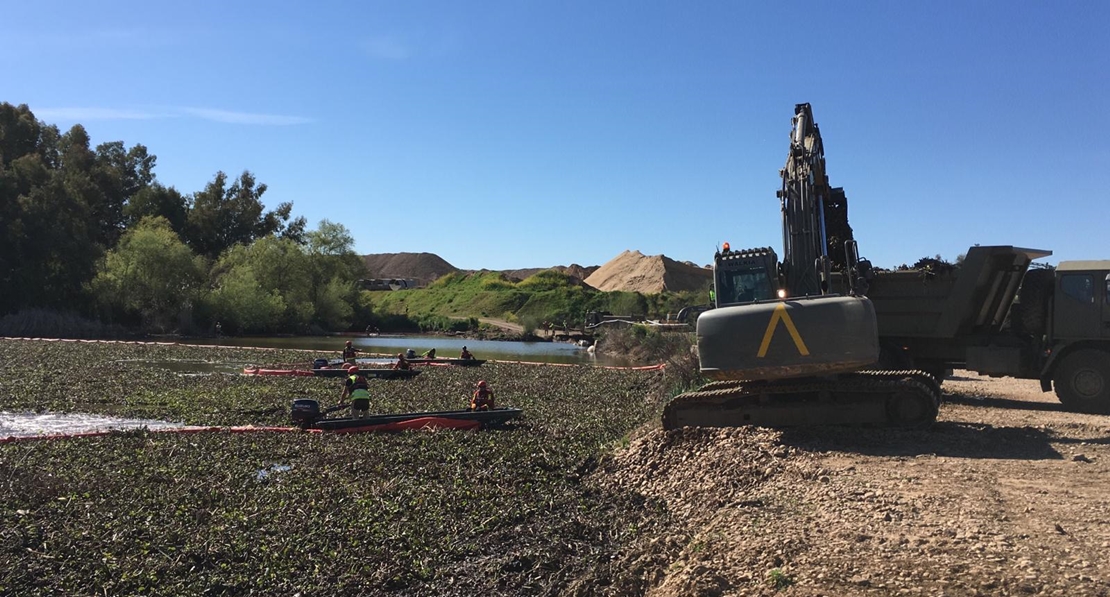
(359, 387)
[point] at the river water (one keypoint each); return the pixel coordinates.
(446, 347)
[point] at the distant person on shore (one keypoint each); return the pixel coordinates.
(429, 354)
(466, 354)
(350, 353)
(357, 390)
(219, 330)
(482, 398)
(402, 363)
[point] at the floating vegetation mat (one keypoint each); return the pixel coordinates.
(417, 513)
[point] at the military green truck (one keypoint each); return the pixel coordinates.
(996, 315)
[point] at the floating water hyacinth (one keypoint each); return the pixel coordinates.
(503, 512)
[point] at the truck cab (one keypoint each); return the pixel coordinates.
(1078, 367)
(1081, 307)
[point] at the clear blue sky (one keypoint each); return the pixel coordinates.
(529, 134)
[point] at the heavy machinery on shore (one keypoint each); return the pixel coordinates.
(994, 314)
(783, 346)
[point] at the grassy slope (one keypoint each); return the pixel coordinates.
(546, 295)
(444, 513)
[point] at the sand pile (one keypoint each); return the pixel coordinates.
(632, 271)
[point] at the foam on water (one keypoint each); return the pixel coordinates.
(32, 424)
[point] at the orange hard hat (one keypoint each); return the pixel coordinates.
(482, 384)
(352, 369)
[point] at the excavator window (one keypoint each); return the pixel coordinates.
(745, 285)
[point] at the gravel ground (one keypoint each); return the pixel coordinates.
(1006, 495)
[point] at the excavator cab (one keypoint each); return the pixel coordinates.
(745, 276)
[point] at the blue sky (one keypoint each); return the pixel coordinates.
(528, 134)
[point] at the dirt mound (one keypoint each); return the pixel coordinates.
(423, 267)
(632, 271)
(573, 270)
(712, 483)
(1005, 495)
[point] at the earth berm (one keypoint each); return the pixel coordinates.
(1006, 495)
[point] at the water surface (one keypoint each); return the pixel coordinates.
(446, 347)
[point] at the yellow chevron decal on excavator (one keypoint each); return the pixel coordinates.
(782, 315)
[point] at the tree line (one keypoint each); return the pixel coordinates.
(92, 231)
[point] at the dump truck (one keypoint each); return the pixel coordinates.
(997, 315)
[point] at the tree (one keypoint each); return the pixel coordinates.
(158, 200)
(334, 268)
(61, 206)
(152, 273)
(241, 302)
(222, 216)
(280, 266)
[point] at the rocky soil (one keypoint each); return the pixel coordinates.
(1005, 495)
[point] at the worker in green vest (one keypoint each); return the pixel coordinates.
(358, 391)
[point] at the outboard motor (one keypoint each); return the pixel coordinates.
(320, 364)
(305, 412)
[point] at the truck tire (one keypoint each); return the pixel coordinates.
(1082, 381)
(1034, 298)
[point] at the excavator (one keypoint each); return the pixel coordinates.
(796, 342)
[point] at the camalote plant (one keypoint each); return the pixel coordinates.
(779, 579)
(498, 512)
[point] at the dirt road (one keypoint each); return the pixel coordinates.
(501, 323)
(1005, 495)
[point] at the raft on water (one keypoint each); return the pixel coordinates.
(454, 362)
(376, 373)
(306, 413)
(415, 361)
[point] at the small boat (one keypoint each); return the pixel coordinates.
(306, 413)
(369, 373)
(412, 361)
(453, 362)
(284, 372)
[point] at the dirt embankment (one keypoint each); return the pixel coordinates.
(1005, 495)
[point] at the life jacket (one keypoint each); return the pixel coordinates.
(358, 387)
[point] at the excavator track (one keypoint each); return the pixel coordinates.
(861, 398)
